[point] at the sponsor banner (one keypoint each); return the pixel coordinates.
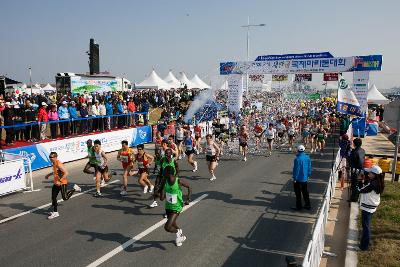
(12, 176)
(303, 77)
(256, 81)
(75, 148)
(347, 102)
(279, 77)
(331, 77)
(81, 84)
(310, 65)
(235, 93)
(360, 88)
(294, 56)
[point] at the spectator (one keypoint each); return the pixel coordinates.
(63, 114)
(74, 115)
(29, 117)
(103, 113)
(43, 118)
(109, 112)
(370, 187)
(356, 162)
(95, 115)
(84, 114)
(9, 117)
(145, 108)
(120, 112)
(53, 118)
(301, 174)
(131, 110)
(18, 120)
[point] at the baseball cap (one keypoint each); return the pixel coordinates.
(301, 148)
(72, 102)
(44, 104)
(374, 169)
(64, 102)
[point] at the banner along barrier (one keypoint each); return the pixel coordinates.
(71, 149)
(12, 176)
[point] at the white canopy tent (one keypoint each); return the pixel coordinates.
(199, 82)
(185, 81)
(153, 81)
(224, 86)
(172, 80)
(375, 97)
(49, 88)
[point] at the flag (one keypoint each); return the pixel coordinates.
(347, 102)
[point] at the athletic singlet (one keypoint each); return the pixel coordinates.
(210, 150)
(165, 163)
(91, 156)
(243, 138)
(313, 131)
(320, 136)
(189, 144)
(291, 131)
(158, 143)
(99, 158)
(179, 134)
(258, 129)
(141, 163)
(280, 128)
(126, 156)
(57, 173)
(270, 133)
(197, 131)
(173, 196)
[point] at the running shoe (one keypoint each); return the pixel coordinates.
(213, 178)
(179, 240)
(123, 193)
(97, 194)
(151, 189)
(55, 215)
(77, 188)
(103, 183)
(195, 166)
(154, 204)
(145, 189)
(244, 159)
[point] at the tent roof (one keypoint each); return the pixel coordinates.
(48, 87)
(199, 82)
(224, 85)
(172, 80)
(185, 81)
(153, 81)
(375, 97)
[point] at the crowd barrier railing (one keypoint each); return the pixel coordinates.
(315, 248)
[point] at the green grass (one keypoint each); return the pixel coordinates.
(385, 249)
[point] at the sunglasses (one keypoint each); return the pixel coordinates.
(52, 157)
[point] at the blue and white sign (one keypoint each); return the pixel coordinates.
(12, 176)
(75, 148)
(368, 63)
(294, 56)
(347, 102)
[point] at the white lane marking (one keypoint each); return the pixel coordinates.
(136, 238)
(49, 204)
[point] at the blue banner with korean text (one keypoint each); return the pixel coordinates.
(294, 56)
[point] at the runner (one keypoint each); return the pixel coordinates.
(212, 153)
(158, 150)
(60, 181)
(180, 132)
(270, 135)
(125, 155)
(280, 129)
(258, 133)
(243, 137)
(167, 160)
(143, 160)
(197, 137)
(306, 133)
(189, 143)
(313, 136)
(291, 134)
(173, 146)
(172, 193)
(101, 167)
(91, 157)
(321, 136)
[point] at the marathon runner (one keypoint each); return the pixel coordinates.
(60, 181)
(172, 193)
(270, 135)
(258, 133)
(173, 146)
(190, 143)
(321, 136)
(180, 132)
(212, 154)
(280, 129)
(91, 157)
(143, 160)
(197, 137)
(243, 138)
(291, 134)
(101, 167)
(125, 155)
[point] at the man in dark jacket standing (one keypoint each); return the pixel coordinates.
(301, 174)
(356, 162)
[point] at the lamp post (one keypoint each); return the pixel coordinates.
(248, 47)
(30, 78)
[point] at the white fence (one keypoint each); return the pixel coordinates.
(316, 245)
(15, 173)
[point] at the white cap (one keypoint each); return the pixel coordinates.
(44, 104)
(374, 169)
(301, 148)
(64, 102)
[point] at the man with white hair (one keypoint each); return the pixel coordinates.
(301, 174)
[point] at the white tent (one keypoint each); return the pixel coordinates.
(153, 81)
(172, 80)
(224, 86)
(49, 88)
(375, 97)
(185, 81)
(200, 84)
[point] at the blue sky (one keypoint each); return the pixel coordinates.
(194, 36)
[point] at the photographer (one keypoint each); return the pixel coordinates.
(370, 187)
(356, 162)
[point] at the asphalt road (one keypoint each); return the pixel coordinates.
(245, 219)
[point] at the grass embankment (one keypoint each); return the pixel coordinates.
(385, 231)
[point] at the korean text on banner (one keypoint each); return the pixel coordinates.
(347, 102)
(331, 77)
(306, 77)
(12, 176)
(279, 78)
(235, 93)
(360, 88)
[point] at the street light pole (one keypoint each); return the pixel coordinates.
(248, 48)
(30, 78)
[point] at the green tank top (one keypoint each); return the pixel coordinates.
(173, 196)
(165, 163)
(320, 136)
(92, 157)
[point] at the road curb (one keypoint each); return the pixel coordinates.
(352, 237)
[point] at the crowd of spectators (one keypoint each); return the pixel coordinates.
(51, 115)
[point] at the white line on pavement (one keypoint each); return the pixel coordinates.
(136, 238)
(49, 204)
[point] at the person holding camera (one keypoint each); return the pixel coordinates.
(370, 186)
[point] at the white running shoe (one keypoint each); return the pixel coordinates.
(145, 189)
(154, 204)
(180, 239)
(53, 215)
(103, 183)
(123, 193)
(195, 166)
(244, 159)
(97, 194)
(77, 188)
(213, 178)
(151, 189)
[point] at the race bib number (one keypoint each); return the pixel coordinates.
(171, 198)
(189, 148)
(140, 165)
(125, 159)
